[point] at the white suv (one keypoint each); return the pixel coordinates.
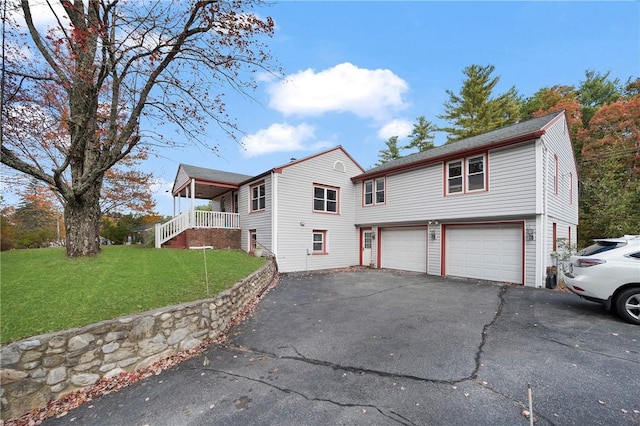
(609, 272)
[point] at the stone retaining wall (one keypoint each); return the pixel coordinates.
(43, 368)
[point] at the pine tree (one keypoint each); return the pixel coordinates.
(422, 135)
(595, 91)
(473, 111)
(391, 153)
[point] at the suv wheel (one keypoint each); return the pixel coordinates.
(628, 305)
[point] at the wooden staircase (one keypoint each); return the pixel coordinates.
(171, 233)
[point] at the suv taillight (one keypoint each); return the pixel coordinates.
(585, 263)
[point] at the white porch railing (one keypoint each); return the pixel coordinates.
(195, 219)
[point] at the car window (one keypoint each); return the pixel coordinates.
(599, 247)
(636, 255)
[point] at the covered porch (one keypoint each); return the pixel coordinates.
(217, 187)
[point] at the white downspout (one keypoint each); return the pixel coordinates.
(545, 210)
(274, 214)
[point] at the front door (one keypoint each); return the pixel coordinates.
(367, 240)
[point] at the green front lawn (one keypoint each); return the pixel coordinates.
(42, 290)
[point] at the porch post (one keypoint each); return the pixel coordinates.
(193, 202)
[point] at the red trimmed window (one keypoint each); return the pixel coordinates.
(325, 199)
(374, 191)
(258, 197)
(466, 175)
(319, 241)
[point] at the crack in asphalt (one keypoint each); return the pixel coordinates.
(473, 377)
(346, 368)
(485, 332)
(403, 421)
(480, 351)
(581, 349)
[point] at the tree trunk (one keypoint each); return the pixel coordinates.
(82, 221)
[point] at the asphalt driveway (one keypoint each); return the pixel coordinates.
(385, 348)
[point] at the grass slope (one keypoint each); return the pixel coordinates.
(43, 291)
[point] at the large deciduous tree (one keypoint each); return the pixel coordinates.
(114, 67)
(475, 109)
(610, 171)
(36, 221)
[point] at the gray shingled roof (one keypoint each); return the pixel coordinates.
(213, 175)
(486, 139)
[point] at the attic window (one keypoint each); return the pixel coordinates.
(338, 166)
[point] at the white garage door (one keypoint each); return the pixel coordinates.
(404, 248)
(488, 252)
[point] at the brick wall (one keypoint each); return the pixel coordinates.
(218, 238)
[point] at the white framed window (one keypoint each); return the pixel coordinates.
(368, 192)
(325, 199)
(319, 241)
(475, 173)
(466, 175)
(454, 177)
(258, 197)
(374, 191)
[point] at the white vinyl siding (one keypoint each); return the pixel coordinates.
(563, 205)
(259, 220)
(297, 221)
(434, 250)
(181, 179)
(419, 195)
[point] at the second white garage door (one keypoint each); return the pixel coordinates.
(404, 248)
(487, 252)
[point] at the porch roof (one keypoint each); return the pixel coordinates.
(209, 183)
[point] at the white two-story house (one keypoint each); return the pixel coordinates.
(490, 207)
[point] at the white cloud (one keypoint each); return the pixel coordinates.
(398, 127)
(44, 14)
(281, 137)
(343, 88)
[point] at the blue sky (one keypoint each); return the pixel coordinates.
(356, 73)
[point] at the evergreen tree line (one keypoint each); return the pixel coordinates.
(604, 117)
